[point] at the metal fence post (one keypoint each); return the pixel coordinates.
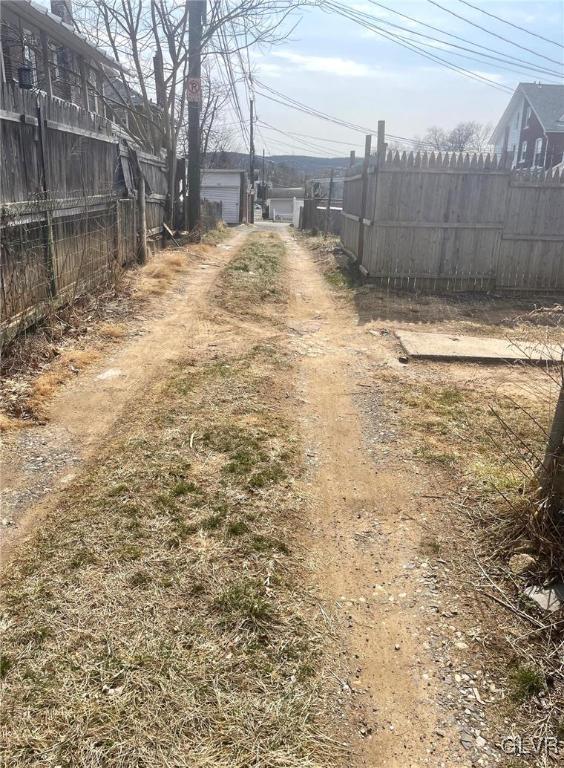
(48, 229)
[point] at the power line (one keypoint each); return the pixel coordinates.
(510, 23)
(412, 46)
(445, 33)
(322, 138)
(292, 103)
(494, 34)
(518, 65)
(287, 101)
(232, 89)
(290, 135)
(296, 149)
(513, 66)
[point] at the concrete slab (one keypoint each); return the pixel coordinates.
(477, 349)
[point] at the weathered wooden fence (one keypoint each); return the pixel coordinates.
(314, 215)
(455, 222)
(68, 217)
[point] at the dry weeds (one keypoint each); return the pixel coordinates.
(158, 617)
(157, 276)
(8, 423)
(113, 331)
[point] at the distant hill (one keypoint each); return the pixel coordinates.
(284, 170)
(311, 165)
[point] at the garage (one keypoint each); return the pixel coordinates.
(227, 187)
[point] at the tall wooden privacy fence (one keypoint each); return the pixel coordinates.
(68, 218)
(455, 222)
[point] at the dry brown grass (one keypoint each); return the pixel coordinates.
(8, 423)
(112, 331)
(66, 366)
(159, 615)
(159, 274)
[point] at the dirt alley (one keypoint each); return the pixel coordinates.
(359, 527)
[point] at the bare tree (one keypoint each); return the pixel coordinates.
(470, 136)
(436, 138)
(149, 38)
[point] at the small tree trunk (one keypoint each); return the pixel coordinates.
(551, 474)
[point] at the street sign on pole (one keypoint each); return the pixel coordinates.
(194, 90)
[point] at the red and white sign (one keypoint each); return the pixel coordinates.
(194, 89)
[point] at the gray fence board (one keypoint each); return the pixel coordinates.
(457, 222)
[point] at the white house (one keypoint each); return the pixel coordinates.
(228, 187)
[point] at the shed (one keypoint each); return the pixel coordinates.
(282, 202)
(228, 187)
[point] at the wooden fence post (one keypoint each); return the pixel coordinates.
(142, 221)
(364, 198)
(328, 210)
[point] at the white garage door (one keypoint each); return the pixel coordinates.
(228, 197)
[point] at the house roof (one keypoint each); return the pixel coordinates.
(289, 192)
(222, 170)
(546, 101)
(55, 27)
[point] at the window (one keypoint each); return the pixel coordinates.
(539, 159)
(523, 154)
(29, 59)
(61, 65)
(517, 119)
(527, 116)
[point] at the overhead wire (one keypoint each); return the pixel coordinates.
(443, 32)
(485, 58)
(511, 63)
(511, 24)
(343, 11)
(293, 137)
(494, 34)
(288, 101)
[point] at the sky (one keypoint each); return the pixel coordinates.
(334, 65)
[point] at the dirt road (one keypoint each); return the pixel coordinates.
(363, 539)
(39, 460)
(357, 524)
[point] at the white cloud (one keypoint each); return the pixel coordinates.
(273, 70)
(331, 65)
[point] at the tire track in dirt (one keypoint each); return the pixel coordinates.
(363, 543)
(37, 461)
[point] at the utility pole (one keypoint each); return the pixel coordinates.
(252, 162)
(196, 15)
